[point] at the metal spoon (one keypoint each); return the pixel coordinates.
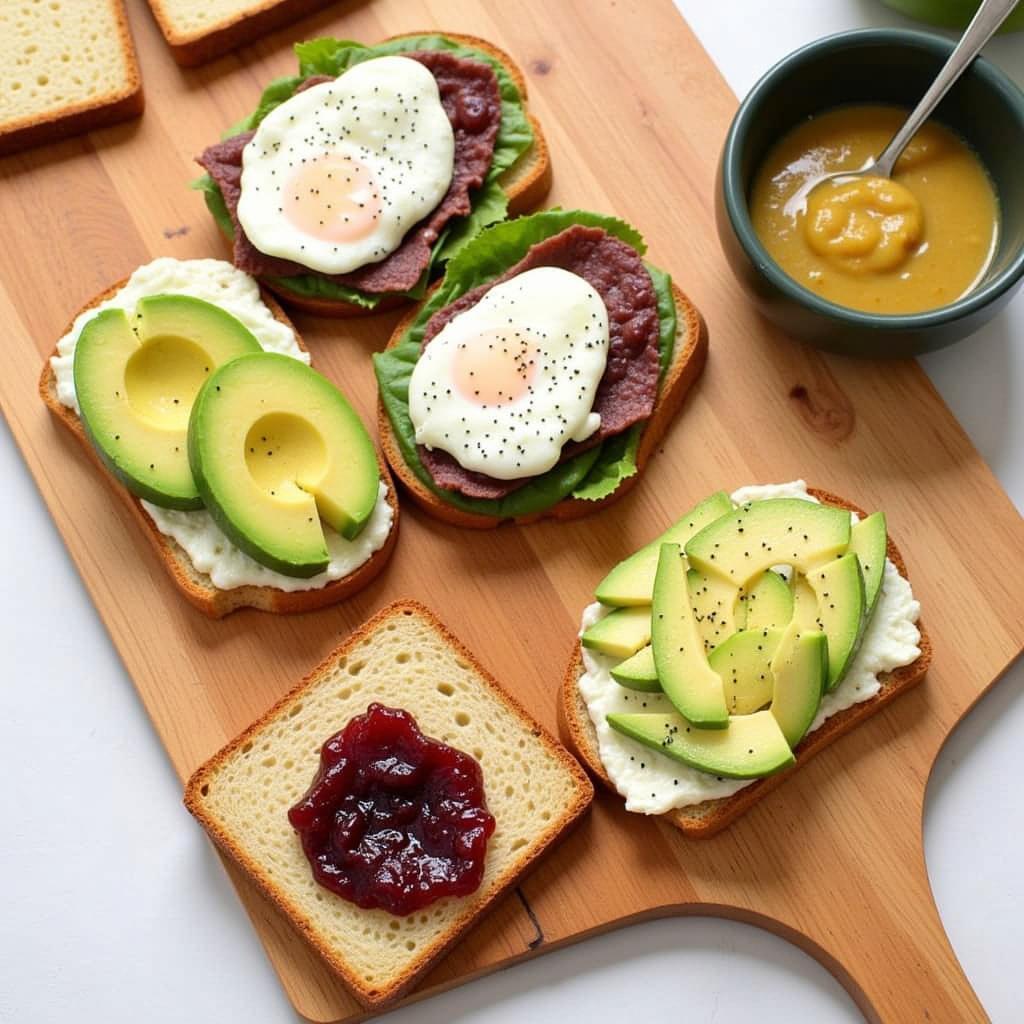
(990, 15)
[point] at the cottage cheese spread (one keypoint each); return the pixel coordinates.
(195, 531)
(653, 783)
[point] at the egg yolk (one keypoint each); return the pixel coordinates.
(495, 367)
(333, 198)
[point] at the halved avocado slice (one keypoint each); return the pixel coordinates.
(638, 672)
(620, 633)
(799, 672)
(274, 448)
(751, 747)
(839, 588)
(686, 678)
(136, 387)
(762, 534)
(631, 582)
(868, 543)
(744, 664)
(715, 604)
(767, 604)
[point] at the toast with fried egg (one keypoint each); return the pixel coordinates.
(596, 464)
(431, 149)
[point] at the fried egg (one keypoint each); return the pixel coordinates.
(504, 385)
(335, 176)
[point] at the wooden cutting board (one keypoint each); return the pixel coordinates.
(635, 113)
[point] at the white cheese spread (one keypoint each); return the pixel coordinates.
(197, 534)
(653, 783)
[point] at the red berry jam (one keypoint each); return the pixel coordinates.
(393, 819)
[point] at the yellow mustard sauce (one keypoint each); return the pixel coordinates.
(919, 241)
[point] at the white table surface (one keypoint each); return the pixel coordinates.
(115, 908)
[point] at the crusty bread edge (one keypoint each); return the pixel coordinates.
(706, 819)
(88, 115)
(688, 358)
(192, 49)
(582, 796)
(527, 191)
(210, 600)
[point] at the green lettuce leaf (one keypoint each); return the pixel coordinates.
(333, 56)
(591, 475)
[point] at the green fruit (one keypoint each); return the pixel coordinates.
(715, 603)
(839, 589)
(275, 448)
(136, 387)
(868, 543)
(743, 663)
(620, 633)
(799, 671)
(767, 604)
(638, 672)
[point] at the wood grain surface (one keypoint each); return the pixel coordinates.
(635, 113)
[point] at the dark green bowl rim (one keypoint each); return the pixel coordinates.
(734, 190)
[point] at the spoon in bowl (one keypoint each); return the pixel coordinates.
(990, 15)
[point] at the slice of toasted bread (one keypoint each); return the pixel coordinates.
(705, 819)
(66, 71)
(195, 585)
(403, 657)
(526, 183)
(199, 30)
(688, 358)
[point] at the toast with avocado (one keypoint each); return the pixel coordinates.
(540, 375)
(420, 142)
(732, 649)
(159, 391)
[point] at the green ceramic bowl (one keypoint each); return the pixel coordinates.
(873, 66)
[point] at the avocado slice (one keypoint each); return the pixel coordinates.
(768, 604)
(631, 582)
(275, 448)
(868, 542)
(799, 670)
(805, 604)
(762, 534)
(839, 588)
(751, 747)
(714, 603)
(638, 672)
(136, 387)
(744, 664)
(620, 633)
(686, 678)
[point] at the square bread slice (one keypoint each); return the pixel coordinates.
(68, 67)
(199, 30)
(402, 657)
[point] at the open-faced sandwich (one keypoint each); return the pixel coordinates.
(391, 798)
(539, 375)
(251, 474)
(734, 647)
(354, 179)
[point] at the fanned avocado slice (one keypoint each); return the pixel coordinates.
(638, 672)
(275, 448)
(686, 678)
(620, 633)
(744, 664)
(799, 672)
(762, 534)
(868, 543)
(715, 603)
(751, 747)
(631, 582)
(766, 604)
(136, 381)
(839, 588)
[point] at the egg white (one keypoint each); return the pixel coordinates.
(385, 113)
(552, 326)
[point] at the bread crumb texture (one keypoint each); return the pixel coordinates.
(188, 19)
(57, 54)
(406, 662)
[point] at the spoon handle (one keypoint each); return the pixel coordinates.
(991, 14)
